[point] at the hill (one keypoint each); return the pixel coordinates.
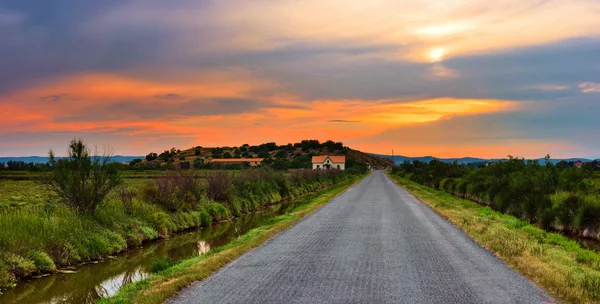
(289, 156)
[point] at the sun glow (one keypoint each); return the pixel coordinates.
(437, 54)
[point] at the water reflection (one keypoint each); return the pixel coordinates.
(203, 247)
(93, 281)
(111, 286)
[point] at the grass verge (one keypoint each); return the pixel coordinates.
(555, 263)
(165, 284)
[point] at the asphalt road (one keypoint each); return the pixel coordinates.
(375, 243)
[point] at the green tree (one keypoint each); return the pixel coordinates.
(281, 154)
(81, 180)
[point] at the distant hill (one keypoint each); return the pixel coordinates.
(45, 159)
(297, 155)
(399, 159)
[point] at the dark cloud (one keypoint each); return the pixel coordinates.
(152, 110)
(168, 96)
(342, 120)
(55, 97)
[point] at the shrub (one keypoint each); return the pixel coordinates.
(205, 218)
(126, 197)
(218, 212)
(160, 221)
(174, 191)
(42, 261)
(588, 215)
(20, 266)
(219, 187)
(80, 180)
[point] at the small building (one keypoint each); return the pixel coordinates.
(329, 162)
(578, 164)
(252, 161)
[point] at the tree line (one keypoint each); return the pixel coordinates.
(554, 196)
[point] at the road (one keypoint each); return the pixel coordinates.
(375, 243)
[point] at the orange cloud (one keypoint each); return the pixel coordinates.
(222, 112)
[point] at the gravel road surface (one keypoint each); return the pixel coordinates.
(375, 243)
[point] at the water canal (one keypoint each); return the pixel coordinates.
(90, 282)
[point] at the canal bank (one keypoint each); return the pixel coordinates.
(90, 282)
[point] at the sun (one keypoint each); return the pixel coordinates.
(437, 54)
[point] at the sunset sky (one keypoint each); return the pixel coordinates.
(443, 78)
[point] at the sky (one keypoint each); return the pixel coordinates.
(445, 78)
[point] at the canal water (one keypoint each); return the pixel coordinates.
(90, 282)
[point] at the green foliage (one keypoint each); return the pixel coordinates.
(205, 218)
(20, 266)
(198, 163)
(151, 156)
(83, 181)
(281, 154)
(546, 194)
(42, 261)
(218, 212)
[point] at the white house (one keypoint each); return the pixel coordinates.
(329, 162)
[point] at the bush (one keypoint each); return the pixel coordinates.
(80, 180)
(219, 187)
(126, 197)
(42, 261)
(218, 212)
(175, 191)
(20, 266)
(205, 218)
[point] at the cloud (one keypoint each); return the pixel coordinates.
(589, 87)
(547, 87)
(212, 69)
(8, 18)
(168, 96)
(54, 97)
(439, 71)
(343, 120)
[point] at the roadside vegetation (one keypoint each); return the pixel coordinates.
(170, 279)
(81, 208)
(555, 263)
(554, 197)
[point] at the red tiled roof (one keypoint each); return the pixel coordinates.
(334, 159)
(236, 160)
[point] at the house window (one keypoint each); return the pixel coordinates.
(318, 166)
(338, 167)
